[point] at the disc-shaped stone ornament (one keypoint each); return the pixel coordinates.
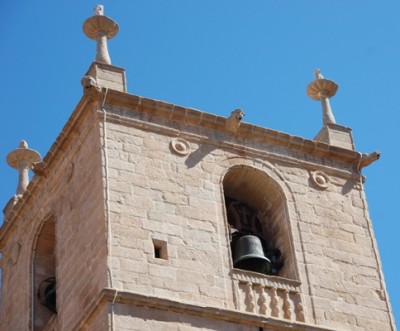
(320, 179)
(23, 153)
(322, 87)
(180, 146)
(95, 26)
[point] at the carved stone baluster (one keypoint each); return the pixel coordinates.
(274, 303)
(287, 306)
(299, 309)
(250, 304)
(238, 293)
(262, 301)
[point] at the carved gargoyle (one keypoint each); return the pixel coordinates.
(91, 88)
(233, 121)
(40, 169)
(367, 159)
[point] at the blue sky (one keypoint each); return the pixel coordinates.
(216, 56)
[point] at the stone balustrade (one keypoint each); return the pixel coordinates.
(270, 296)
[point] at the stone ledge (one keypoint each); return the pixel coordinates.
(109, 295)
(194, 117)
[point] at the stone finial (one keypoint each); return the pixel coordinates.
(100, 28)
(317, 74)
(322, 89)
(99, 10)
(22, 159)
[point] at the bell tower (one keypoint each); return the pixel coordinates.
(145, 215)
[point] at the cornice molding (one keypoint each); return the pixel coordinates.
(112, 296)
(189, 116)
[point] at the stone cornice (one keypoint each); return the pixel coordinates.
(193, 117)
(109, 295)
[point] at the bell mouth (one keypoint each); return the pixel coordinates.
(256, 264)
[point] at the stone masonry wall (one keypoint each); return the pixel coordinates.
(340, 257)
(155, 197)
(154, 184)
(160, 195)
(82, 255)
(71, 192)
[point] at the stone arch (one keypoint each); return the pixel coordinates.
(44, 273)
(260, 186)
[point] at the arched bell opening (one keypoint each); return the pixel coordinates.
(258, 221)
(44, 275)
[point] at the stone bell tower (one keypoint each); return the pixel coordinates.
(146, 215)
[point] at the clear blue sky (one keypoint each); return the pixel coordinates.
(216, 56)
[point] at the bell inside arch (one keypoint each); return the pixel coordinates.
(248, 254)
(47, 294)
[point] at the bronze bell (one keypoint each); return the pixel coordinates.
(248, 254)
(47, 294)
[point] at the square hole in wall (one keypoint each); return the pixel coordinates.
(160, 249)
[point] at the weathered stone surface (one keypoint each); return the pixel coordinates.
(129, 191)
